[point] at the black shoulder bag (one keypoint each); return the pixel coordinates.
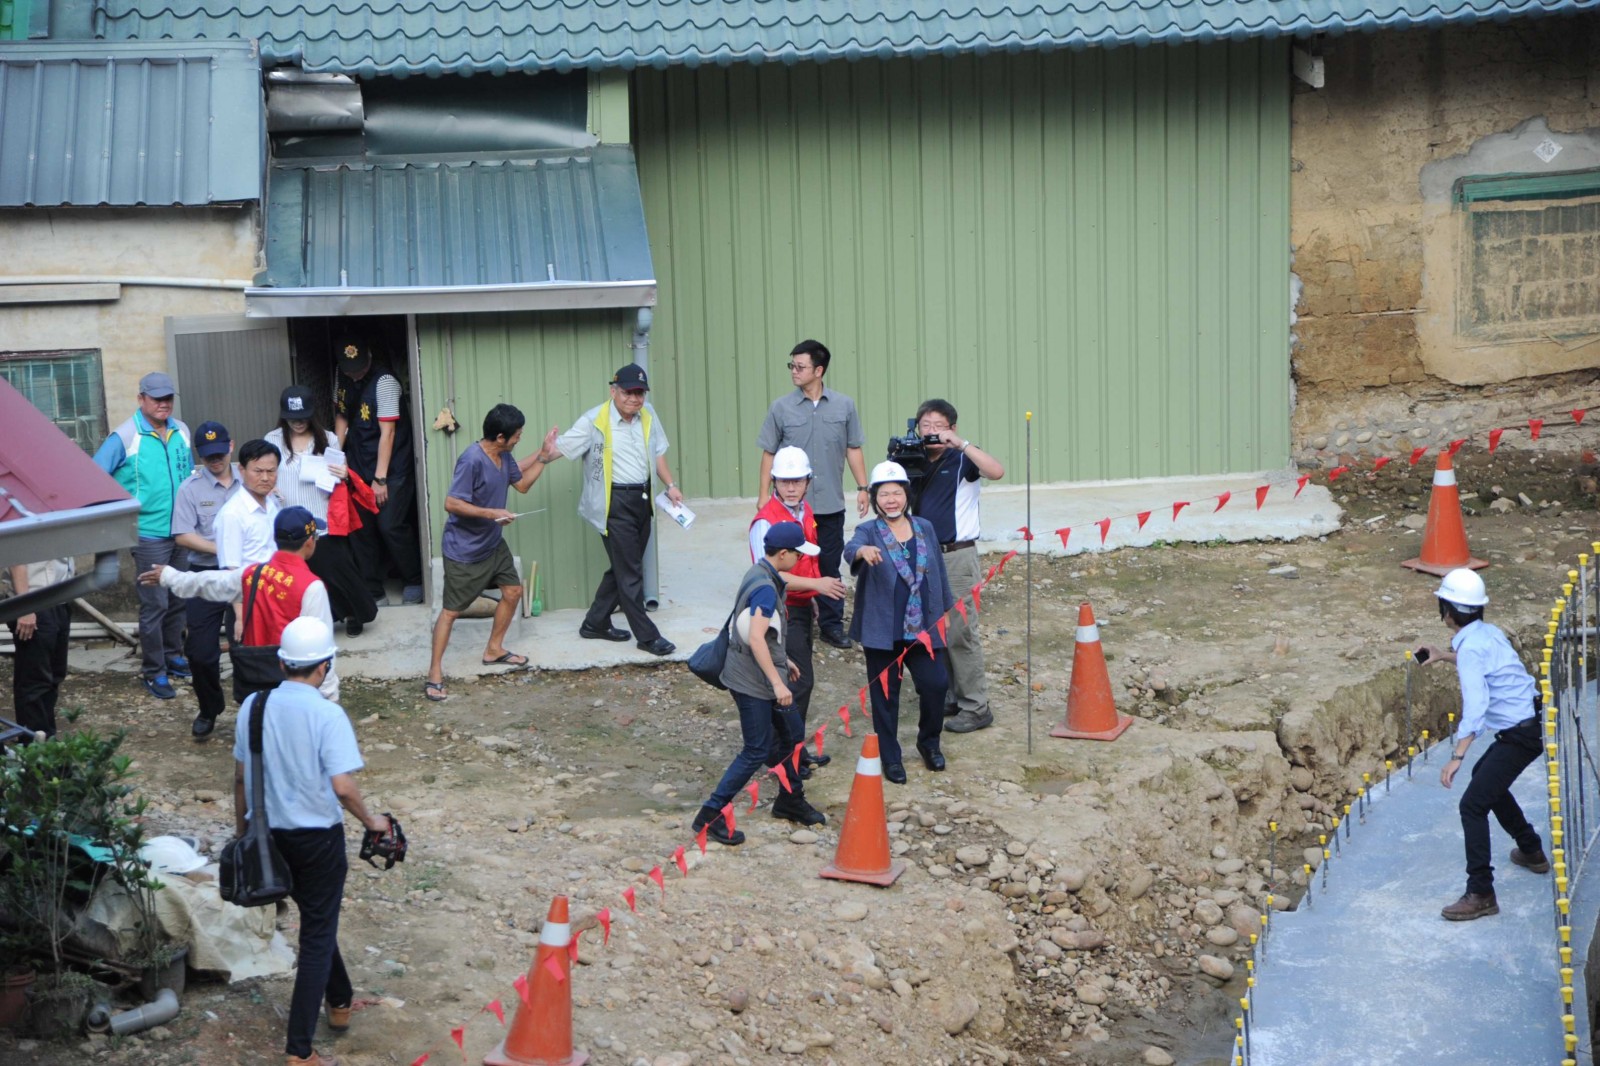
(709, 658)
(253, 872)
(255, 669)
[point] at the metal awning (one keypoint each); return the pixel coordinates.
(554, 231)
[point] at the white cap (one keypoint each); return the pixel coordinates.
(306, 642)
(886, 472)
(791, 462)
(1464, 588)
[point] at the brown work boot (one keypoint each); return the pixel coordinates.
(1536, 862)
(338, 1018)
(1471, 906)
(314, 1060)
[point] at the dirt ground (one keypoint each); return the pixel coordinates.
(1066, 902)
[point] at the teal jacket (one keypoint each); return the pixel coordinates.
(151, 469)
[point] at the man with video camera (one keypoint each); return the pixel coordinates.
(947, 496)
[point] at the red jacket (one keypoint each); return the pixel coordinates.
(284, 580)
(349, 498)
(776, 513)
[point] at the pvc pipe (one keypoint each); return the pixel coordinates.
(158, 1011)
(130, 279)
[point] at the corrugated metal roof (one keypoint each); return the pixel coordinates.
(557, 217)
(401, 37)
(90, 123)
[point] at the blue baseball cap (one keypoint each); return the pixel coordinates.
(211, 438)
(789, 535)
(294, 525)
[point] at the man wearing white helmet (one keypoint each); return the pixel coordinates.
(791, 479)
(1497, 695)
(308, 759)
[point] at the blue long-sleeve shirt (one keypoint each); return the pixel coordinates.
(1496, 689)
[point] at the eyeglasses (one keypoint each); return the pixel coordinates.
(792, 365)
(637, 394)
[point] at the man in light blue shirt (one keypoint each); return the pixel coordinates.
(308, 757)
(1498, 696)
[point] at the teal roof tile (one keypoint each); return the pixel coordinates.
(436, 37)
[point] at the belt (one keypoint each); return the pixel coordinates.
(956, 545)
(639, 487)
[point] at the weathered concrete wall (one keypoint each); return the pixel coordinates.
(145, 242)
(1388, 295)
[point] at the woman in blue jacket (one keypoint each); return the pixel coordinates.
(901, 592)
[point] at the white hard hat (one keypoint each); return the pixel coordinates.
(170, 855)
(791, 462)
(886, 472)
(306, 642)
(1463, 587)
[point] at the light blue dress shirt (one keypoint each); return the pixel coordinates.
(306, 741)
(1496, 689)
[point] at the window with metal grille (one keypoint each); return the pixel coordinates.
(67, 386)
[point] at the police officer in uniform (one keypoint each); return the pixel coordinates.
(375, 433)
(1497, 696)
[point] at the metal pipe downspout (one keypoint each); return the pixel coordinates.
(641, 355)
(158, 1011)
(107, 567)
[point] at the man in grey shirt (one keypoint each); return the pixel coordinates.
(822, 423)
(194, 517)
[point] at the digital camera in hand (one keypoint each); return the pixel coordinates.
(389, 846)
(911, 452)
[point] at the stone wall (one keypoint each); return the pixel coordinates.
(1410, 306)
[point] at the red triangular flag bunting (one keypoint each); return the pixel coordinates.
(728, 816)
(604, 918)
(961, 608)
(864, 695)
(1006, 558)
(1381, 462)
(794, 756)
(1027, 534)
(1577, 414)
(553, 964)
(1455, 446)
(459, 1035)
(1261, 495)
(943, 626)
(1333, 475)
(816, 738)
(1535, 427)
(1143, 517)
(422, 1058)
(1300, 483)
(926, 641)
(700, 838)
(572, 947)
(844, 716)
(659, 878)
(1064, 532)
(521, 985)
(629, 895)
(977, 598)
(1105, 527)
(883, 681)
(754, 788)
(1178, 506)
(1494, 439)
(1417, 453)
(1222, 501)
(683, 865)
(783, 777)
(494, 1008)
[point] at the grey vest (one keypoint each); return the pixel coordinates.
(740, 672)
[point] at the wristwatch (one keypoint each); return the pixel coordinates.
(861, 488)
(380, 481)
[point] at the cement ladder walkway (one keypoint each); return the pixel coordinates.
(1369, 973)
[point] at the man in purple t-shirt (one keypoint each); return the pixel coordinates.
(476, 556)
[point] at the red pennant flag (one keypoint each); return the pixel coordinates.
(844, 716)
(816, 738)
(1261, 495)
(900, 667)
(459, 1035)
(926, 641)
(1064, 532)
(1535, 427)
(977, 598)
(497, 1010)
(754, 788)
(1006, 558)
(1300, 483)
(1027, 534)
(683, 866)
(989, 575)
(728, 816)
(420, 1059)
(961, 607)
(1333, 475)
(572, 947)
(604, 918)
(628, 894)
(1455, 446)
(1417, 453)
(1143, 517)
(1176, 507)
(1577, 415)
(552, 963)
(943, 626)
(883, 681)
(864, 695)
(1381, 462)
(700, 838)
(1494, 439)
(1222, 501)
(794, 756)
(521, 985)
(659, 878)
(1105, 527)
(783, 777)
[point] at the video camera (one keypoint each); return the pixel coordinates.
(911, 452)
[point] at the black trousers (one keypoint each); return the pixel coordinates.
(627, 536)
(316, 858)
(1490, 792)
(798, 639)
(928, 674)
(390, 537)
(202, 645)
(830, 538)
(334, 562)
(39, 668)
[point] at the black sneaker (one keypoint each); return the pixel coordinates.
(160, 687)
(794, 808)
(202, 727)
(716, 828)
(835, 635)
(353, 627)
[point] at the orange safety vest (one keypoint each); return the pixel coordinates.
(776, 513)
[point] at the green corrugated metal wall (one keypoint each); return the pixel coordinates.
(554, 366)
(1101, 237)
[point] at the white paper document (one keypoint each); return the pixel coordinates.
(675, 511)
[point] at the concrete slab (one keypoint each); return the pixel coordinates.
(1370, 973)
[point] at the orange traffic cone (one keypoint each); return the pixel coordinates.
(541, 1031)
(1444, 538)
(1091, 713)
(863, 853)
